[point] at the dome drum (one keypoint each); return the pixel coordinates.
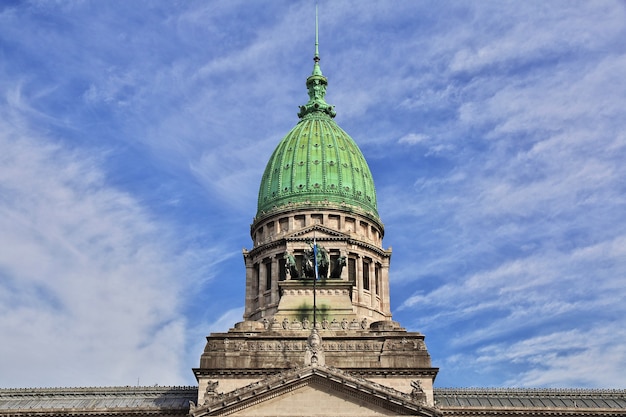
(352, 239)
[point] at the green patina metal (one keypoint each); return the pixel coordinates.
(317, 164)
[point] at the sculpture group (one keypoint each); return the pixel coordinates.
(308, 264)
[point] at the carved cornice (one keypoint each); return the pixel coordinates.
(234, 373)
(299, 236)
(381, 252)
(340, 382)
(361, 342)
(407, 372)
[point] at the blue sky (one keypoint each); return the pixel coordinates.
(133, 137)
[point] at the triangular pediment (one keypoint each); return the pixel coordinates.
(318, 231)
(314, 399)
(314, 391)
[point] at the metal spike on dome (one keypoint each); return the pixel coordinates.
(316, 85)
(316, 58)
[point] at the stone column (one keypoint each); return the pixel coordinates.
(261, 284)
(275, 274)
(359, 278)
(384, 287)
(373, 301)
(251, 290)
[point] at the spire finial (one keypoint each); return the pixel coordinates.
(316, 58)
(316, 84)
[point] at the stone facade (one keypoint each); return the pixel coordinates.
(317, 282)
(355, 285)
(388, 355)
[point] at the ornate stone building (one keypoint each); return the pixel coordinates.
(317, 336)
(317, 315)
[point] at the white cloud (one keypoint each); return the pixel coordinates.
(564, 358)
(85, 273)
(413, 138)
(508, 229)
(528, 33)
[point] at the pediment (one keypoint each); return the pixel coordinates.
(318, 231)
(314, 399)
(314, 391)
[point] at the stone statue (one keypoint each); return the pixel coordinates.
(322, 262)
(418, 394)
(338, 267)
(211, 391)
(291, 266)
(317, 91)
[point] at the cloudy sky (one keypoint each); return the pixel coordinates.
(133, 136)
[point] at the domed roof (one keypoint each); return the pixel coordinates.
(317, 164)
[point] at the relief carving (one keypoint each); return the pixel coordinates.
(210, 392)
(418, 394)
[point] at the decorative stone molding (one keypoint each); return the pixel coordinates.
(335, 380)
(314, 353)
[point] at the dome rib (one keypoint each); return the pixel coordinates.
(305, 174)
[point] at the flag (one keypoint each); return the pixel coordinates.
(317, 275)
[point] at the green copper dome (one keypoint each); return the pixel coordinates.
(317, 164)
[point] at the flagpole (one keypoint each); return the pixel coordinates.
(315, 281)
